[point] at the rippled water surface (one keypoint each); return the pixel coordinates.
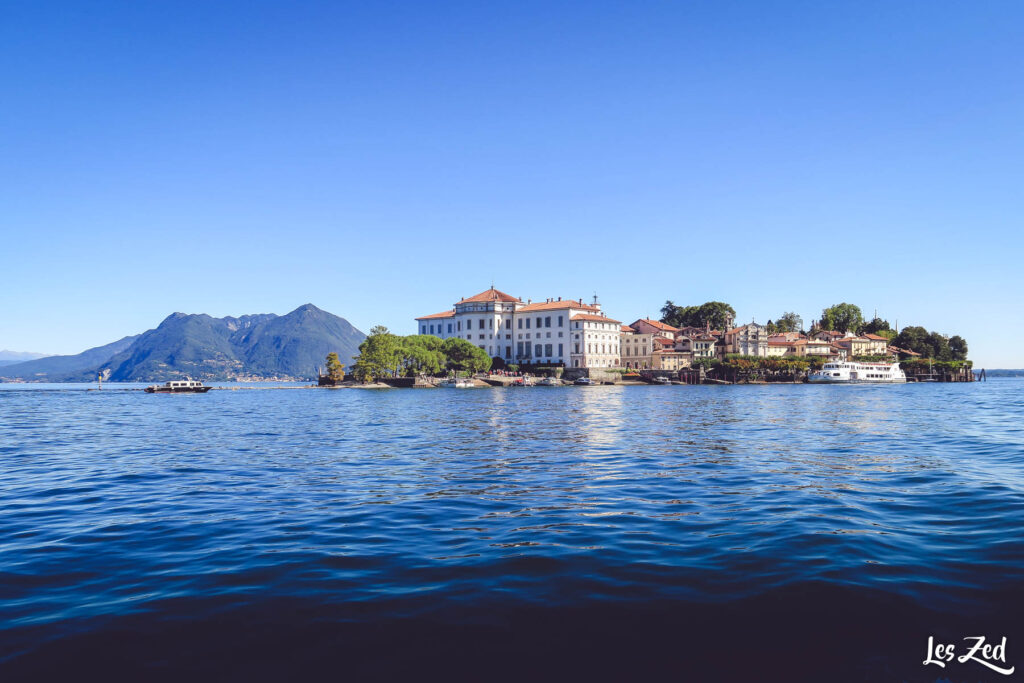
(695, 533)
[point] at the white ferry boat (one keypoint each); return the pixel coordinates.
(858, 373)
(178, 387)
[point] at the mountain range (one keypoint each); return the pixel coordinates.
(202, 347)
(9, 357)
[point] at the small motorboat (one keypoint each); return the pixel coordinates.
(662, 380)
(522, 382)
(178, 387)
(456, 383)
(583, 382)
(549, 382)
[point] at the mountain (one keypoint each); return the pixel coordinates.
(252, 346)
(65, 368)
(206, 348)
(9, 357)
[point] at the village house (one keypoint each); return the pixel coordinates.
(878, 346)
(655, 327)
(636, 348)
(699, 345)
(558, 331)
(667, 357)
(639, 340)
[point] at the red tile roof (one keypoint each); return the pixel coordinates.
(557, 305)
(658, 324)
(445, 314)
(876, 337)
(627, 328)
(664, 342)
(491, 294)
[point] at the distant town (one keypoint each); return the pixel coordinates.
(562, 336)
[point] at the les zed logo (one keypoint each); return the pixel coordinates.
(981, 652)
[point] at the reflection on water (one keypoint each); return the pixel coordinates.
(124, 511)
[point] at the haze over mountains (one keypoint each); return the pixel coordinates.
(8, 357)
(199, 346)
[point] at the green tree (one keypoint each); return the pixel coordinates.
(716, 313)
(940, 345)
(958, 345)
(335, 368)
(875, 326)
(789, 322)
(380, 355)
(422, 354)
(842, 318)
(462, 355)
(676, 316)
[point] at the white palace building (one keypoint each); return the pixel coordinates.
(551, 332)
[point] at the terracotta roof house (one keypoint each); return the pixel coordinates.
(549, 332)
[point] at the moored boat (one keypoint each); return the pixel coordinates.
(522, 382)
(549, 382)
(181, 386)
(583, 382)
(456, 383)
(662, 380)
(848, 372)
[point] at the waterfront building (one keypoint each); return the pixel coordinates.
(878, 345)
(639, 340)
(779, 349)
(666, 357)
(698, 345)
(636, 348)
(747, 340)
(864, 345)
(558, 331)
(655, 327)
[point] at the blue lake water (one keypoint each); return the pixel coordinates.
(617, 533)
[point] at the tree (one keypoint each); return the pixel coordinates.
(789, 322)
(676, 316)
(717, 314)
(335, 368)
(914, 339)
(380, 355)
(842, 318)
(875, 326)
(422, 354)
(463, 355)
(958, 345)
(940, 344)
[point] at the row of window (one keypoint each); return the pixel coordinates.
(489, 323)
(526, 350)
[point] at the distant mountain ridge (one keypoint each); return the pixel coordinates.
(65, 368)
(202, 347)
(7, 356)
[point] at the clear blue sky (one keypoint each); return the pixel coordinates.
(380, 160)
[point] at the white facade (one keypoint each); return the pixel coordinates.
(542, 333)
